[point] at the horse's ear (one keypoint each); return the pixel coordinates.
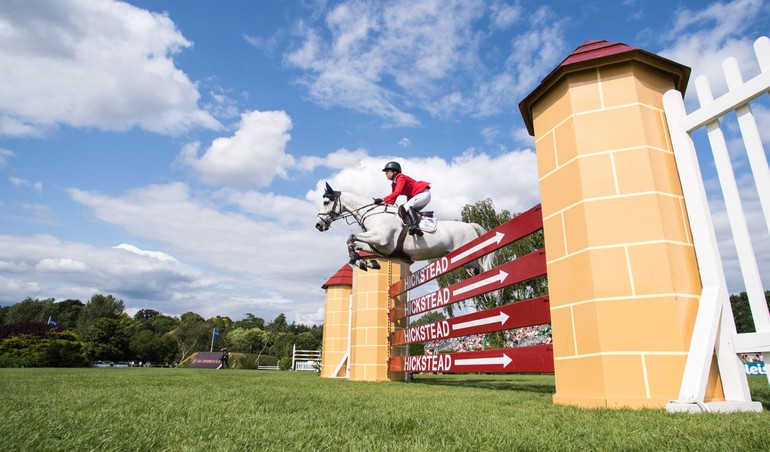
(329, 191)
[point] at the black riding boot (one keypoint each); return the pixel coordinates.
(414, 226)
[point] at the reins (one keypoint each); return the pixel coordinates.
(348, 214)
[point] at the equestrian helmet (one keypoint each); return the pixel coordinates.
(392, 166)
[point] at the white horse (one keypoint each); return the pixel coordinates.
(384, 233)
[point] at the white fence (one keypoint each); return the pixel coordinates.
(714, 326)
(305, 359)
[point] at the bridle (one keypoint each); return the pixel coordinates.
(332, 216)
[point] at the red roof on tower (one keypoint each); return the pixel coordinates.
(343, 277)
(591, 54)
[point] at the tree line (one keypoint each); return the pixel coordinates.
(70, 333)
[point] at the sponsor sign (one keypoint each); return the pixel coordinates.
(534, 311)
(508, 232)
(536, 358)
(515, 271)
(755, 368)
(206, 360)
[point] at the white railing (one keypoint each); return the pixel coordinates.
(714, 325)
(305, 359)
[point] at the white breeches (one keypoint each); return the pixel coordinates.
(418, 201)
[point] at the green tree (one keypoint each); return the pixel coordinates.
(250, 321)
(100, 307)
(151, 320)
(278, 325)
(163, 324)
(106, 339)
(30, 310)
(744, 322)
(306, 341)
(191, 335)
(244, 340)
(148, 346)
(68, 313)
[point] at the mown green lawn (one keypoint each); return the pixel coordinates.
(196, 409)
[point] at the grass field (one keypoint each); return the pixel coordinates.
(192, 409)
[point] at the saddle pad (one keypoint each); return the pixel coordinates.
(428, 224)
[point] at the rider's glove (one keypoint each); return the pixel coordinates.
(378, 201)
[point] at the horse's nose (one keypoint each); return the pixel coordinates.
(320, 226)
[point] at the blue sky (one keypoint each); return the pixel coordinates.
(172, 153)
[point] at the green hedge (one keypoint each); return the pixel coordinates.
(56, 349)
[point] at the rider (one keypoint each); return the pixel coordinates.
(417, 194)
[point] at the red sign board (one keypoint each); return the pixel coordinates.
(512, 272)
(530, 312)
(508, 232)
(535, 358)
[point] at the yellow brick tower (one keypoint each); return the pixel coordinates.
(370, 327)
(334, 356)
(623, 279)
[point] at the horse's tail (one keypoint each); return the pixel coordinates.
(486, 262)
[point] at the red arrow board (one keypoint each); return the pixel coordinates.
(515, 271)
(535, 358)
(534, 311)
(508, 232)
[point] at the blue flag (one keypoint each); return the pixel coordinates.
(52, 321)
(216, 334)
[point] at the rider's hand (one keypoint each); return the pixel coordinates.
(378, 201)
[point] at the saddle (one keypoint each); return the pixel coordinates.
(425, 219)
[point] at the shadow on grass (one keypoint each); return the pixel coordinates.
(524, 384)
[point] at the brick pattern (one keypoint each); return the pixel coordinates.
(369, 325)
(335, 340)
(623, 277)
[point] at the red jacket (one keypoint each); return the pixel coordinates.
(405, 185)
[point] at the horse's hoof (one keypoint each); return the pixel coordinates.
(362, 265)
(373, 264)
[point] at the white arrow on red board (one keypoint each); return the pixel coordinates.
(504, 360)
(498, 278)
(500, 317)
(496, 239)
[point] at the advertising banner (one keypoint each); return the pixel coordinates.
(206, 360)
(755, 368)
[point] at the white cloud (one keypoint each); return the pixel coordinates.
(92, 63)
(253, 251)
(341, 158)
(161, 256)
(19, 182)
(510, 179)
(702, 39)
(504, 15)
(5, 154)
(61, 265)
(252, 157)
(387, 59)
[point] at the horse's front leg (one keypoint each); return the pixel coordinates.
(355, 259)
(364, 241)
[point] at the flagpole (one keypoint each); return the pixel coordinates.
(212, 339)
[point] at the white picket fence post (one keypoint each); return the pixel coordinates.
(714, 325)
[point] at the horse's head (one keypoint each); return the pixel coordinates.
(331, 209)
